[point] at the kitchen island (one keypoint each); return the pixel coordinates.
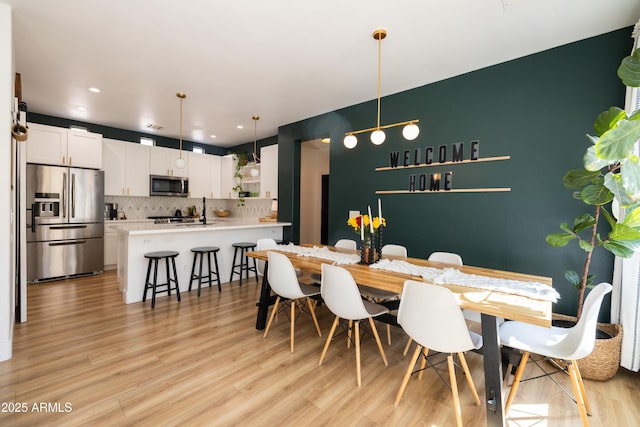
(135, 240)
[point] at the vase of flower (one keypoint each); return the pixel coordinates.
(370, 231)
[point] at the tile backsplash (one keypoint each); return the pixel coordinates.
(143, 207)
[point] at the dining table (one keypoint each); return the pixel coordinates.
(492, 304)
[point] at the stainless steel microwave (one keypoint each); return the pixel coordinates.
(160, 185)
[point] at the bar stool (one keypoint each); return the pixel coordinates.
(243, 247)
(154, 258)
(207, 278)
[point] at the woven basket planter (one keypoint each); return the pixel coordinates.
(604, 361)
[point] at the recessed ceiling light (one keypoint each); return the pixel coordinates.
(240, 127)
(83, 109)
(212, 136)
(94, 89)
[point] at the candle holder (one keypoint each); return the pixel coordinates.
(368, 253)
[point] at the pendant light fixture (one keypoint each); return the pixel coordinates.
(410, 131)
(180, 162)
(255, 172)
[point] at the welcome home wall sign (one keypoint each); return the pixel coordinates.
(437, 181)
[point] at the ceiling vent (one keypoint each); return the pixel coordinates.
(152, 126)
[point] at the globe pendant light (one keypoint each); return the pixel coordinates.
(180, 162)
(410, 130)
(255, 172)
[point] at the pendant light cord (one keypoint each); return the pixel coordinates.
(379, 71)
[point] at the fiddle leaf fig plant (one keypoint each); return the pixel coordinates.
(610, 179)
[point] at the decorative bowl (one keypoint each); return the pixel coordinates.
(221, 212)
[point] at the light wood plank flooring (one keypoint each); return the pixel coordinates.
(202, 362)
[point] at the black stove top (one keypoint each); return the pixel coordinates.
(167, 219)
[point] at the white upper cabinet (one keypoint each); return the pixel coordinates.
(162, 161)
(227, 182)
(126, 168)
(269, 171)
(199, 172)
(59, 146)
(204, 175)
(215, 177)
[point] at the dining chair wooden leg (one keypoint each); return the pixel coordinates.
(407, 374)
(377, 337)
(326, 344)
(273, 313)
(583, 391)
(454, 390)
(388, 334)
(516, 380)
(467, 373)
(313, 315)
(350, 328)
(406, 346)
(575, 384)
(423, 362)
(293, 322)
(357, 340)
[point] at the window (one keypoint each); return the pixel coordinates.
(147, 141)
(198, 150)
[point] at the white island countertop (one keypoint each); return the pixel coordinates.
(192, 227)
(136, 239)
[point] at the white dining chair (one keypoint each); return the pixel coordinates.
(380, 295)
(340, 243)
(263, 245)
(430, 315)
(340, 293)
(568, 344)
(284, 283)
(346, 244)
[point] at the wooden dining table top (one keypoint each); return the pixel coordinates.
(495, 303)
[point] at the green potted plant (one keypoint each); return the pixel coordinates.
(241, 161)
(610, 179)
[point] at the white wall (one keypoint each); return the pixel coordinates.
(314, 163)
(6, 229)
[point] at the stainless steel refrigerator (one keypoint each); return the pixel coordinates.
(65, 221)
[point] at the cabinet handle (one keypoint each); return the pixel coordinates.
(64, 160)
(122, 191)
(70, 160)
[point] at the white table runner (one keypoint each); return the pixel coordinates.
(444, 276)
(320, 252)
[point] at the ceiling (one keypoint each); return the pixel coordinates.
(284, 60)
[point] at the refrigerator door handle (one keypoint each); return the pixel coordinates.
(73, 195)
(66, 227)
(68, 242)
(64, 195)
(33, 218)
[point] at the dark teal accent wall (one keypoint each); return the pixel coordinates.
(536, 109)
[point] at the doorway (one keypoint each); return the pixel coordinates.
(314, 195)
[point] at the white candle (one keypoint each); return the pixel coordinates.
(380, 211)
(362, 227)
(370, 220)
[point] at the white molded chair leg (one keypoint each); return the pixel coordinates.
(406, 346)
(575, 384)
(313, 314)
(407, 374)
(273, 313)
(516, 381)
(326, 345)
(293, 322)
(454, 390)
(467, 373)
(357, 333)
(377, 337)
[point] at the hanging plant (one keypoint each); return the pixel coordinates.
(241, 160)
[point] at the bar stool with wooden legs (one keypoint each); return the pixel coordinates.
(243, 264)
(210, 274)
(154, 257)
